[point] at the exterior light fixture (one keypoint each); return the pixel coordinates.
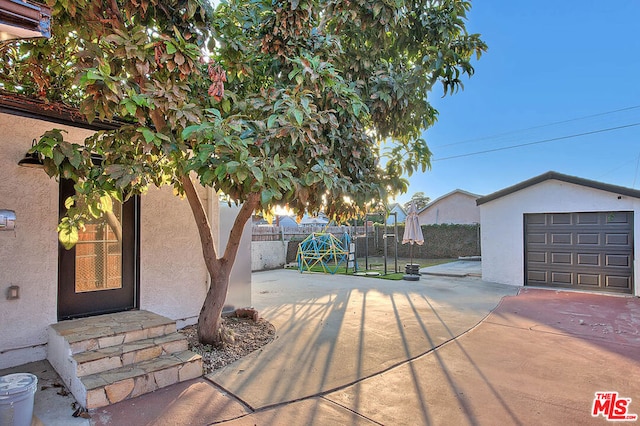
(32, 159)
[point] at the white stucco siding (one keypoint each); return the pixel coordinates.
(173, 276)
(28, 255)
(239, 292)
(174, 280)
(457, 208)
(502, 223)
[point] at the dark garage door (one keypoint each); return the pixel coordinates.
(586, 251)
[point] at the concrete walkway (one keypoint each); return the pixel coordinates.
(531, 362)
(460, 268)
(365, 351)
(360, 351)
(336, 330)
(332, 332)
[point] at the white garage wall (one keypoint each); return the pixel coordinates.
(502, 223)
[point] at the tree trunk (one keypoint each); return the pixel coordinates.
(209, 322)
(210, 330)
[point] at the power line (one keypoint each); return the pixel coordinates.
(636, 173)
(615, 169)
(541, 126)
(537, 142)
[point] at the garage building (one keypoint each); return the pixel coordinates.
(556, 230)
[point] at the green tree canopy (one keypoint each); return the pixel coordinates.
(278, 102)
(420, 200)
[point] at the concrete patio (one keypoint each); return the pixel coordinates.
(352, 350)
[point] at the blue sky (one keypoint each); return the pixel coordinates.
(554, 69)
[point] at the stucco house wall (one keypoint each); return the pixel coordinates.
(502, 223)
(239, 293)
(173, 277)
(457, 207)
(29, 254)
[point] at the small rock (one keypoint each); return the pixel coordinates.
(581, 322)
(247, 313)
(248, 337)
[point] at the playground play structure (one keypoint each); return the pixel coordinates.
(325, 250)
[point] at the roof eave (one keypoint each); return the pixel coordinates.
(24, 19)
(551, 175)
(448, 194)
(55, 113)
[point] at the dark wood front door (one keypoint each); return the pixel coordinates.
(100, 273)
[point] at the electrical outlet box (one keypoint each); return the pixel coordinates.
(13, 292)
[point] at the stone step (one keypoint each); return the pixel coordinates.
(111, 357)
(108, 358)
(99, 332)
(130, 381)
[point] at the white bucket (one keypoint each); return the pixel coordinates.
(16, 399)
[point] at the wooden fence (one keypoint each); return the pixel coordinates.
(281, 233)
(441, 241)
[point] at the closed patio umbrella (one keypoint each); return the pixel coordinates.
(412, 231)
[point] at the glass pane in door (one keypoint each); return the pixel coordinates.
(99, 253)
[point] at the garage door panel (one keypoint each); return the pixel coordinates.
(587, 218)
(589, 280)
(617, 240)
(560, 218)
(588, 239)
(615, 282)
(561, 258)
(537, 219)
(538, 238)
(619, 218)
(588, 250)
(534, 276)
(537, 257)
(588, 259)
(562, 278)
(564, 238)
(618, 260)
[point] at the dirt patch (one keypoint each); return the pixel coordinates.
(247, 335)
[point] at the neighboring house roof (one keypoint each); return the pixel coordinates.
(317, 220)
(397, 207)
(401, 214)
(282, 220)
(447, 195)
(455, 207)
(551, 175)
(287, 221)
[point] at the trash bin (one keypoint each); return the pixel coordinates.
(16, 399)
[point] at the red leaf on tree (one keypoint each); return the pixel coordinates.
(218, 75)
